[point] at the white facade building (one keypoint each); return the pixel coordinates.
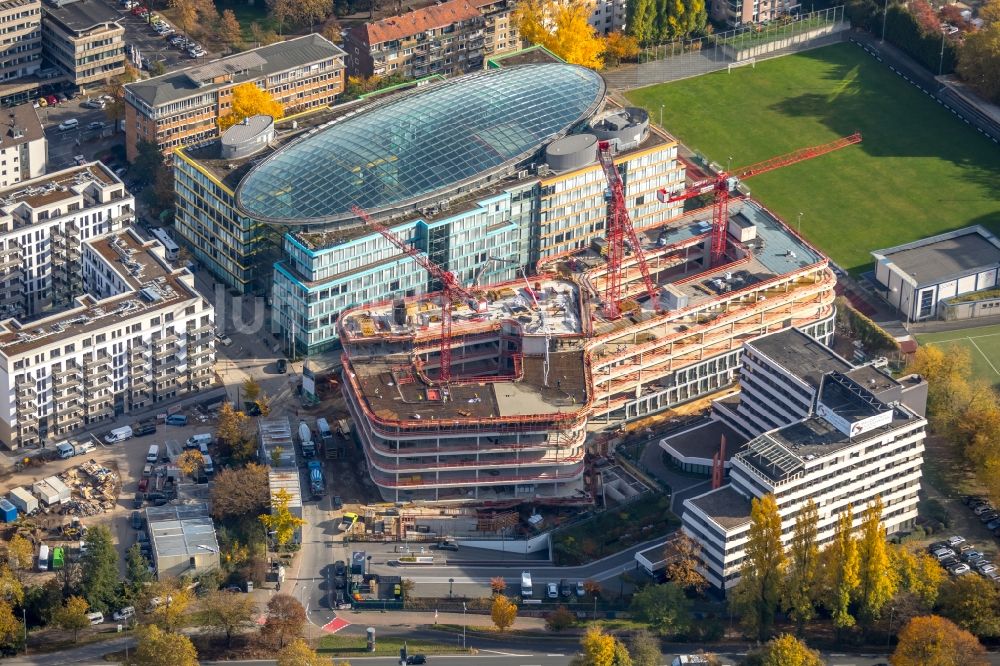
(23, 147)
(917, 276)
(608, 16)
(97, 321)
(861, 438)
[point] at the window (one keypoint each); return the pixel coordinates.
(926, 303)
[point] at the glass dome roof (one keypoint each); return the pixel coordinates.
(408, 149)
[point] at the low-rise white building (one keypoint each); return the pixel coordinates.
(860, 438)
(98, 323)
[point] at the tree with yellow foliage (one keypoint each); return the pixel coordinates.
(918, 573)
(503, 612)
(562, 28)
(931, 639)
(762, 578)
(249, 100)
(877, 580)
(786, 650)
(841, 565)
(298, 653)
(619, 47)
(280, 520)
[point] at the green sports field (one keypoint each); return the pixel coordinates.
(920, 171)
(983, 344)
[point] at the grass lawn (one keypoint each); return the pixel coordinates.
(920, 171)
(385, 646)
(248, 13)
(983, 344)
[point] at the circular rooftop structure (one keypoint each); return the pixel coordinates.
(413, 148)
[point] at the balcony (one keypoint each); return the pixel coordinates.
(67, 382)
(98, 382)
(67, 408)
(26, 390)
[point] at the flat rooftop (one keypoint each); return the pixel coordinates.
(56, 187)
(800, 355)
(80, 15)
(181, 530)
(392, 393)
(276, 433)
(724, 506)
(703, 441)
(944, 256)
(153, 286)
(234, 69)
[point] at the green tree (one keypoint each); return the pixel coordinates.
(645, 649)
(641, 15)
(979, 61)
(137, 574)
(72, 616)
(918, 573)
(842, 569)
(973, 603)
(285, 619)
(228, 613)
(759, 590)
(877, 579)
(169, 601)
(280, 11)
(281, 521)
(99, 570)
(620, 656)
(114, 88)
(560, 619)
(785, 650)
(801, 590)
(663, 607)
(157, 647)
(147, 162)
(934, 640)
(43, 601)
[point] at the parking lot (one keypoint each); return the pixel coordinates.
(968, 555)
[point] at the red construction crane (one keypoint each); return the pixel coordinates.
(618, 225)
(450, 287)
(722, 186)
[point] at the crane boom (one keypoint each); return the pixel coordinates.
(617, 227)
(449, 286)
(721, 185)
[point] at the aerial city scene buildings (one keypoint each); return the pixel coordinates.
(531, 313)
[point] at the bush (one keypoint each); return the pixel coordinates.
(934, 511)
(560, 619)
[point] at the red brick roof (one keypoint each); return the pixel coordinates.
(421, 20)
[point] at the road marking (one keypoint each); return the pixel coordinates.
(335, 625)
(554, 654)
(506, 654)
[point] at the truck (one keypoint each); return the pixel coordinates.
(23, 500)
(70, 448)
(306, 440)
(525, 584)
(325, 434)
(316, 483)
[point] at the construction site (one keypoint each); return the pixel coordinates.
(488, 394)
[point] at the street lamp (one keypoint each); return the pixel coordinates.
(729, 164)
(885, 14)
(451, 585)
(661, 116)
(941, 61)
(463, 625)
(368, 569)
(888, 638)
(798, 227)
(595, 606)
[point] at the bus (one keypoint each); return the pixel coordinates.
(167, 242)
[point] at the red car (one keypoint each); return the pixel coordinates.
(139, 10)
(52, 100)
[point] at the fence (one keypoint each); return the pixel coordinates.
(683, 59)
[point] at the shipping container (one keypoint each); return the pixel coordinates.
(23, 500)
(8, 512)
(60, 487)
(46, 493)
(58, 558)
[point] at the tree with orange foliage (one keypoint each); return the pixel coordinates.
(619, 47)
(931, 639)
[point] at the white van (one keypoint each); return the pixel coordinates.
(65, 450)
(209, 467)
(525, 584)
(198, 441)
(70, 124)
(119, 435)
(96, 618)
(154, 454)
(43, 558)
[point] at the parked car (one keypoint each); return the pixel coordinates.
(124, 614)
(988, 516)
(948, 561)
(955, 540)
(958, 569)
(416, 659)
(942, 553)
(580, 590)
(969, 499)
(982, 508)
(339, 568)
(338, 503)
(993, 524)
(551, 591)
(565, 589)
(964, 547)
(136, 520)
(972, 556)
(52, 100)
(96, 125)
(446, 545)
(282, 366)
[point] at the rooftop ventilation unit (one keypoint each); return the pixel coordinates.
(151, 294)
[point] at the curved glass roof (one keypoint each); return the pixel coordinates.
(409, 148)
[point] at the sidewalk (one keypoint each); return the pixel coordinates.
(425, 619)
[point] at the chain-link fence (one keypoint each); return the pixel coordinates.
(740, 47)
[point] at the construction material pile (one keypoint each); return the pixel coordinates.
(95, 489)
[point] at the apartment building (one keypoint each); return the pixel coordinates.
(448, 38)
(23, 147)
(608, 16)
(123, 329)
(84, 39)
(20, 49)
(183, 107)
(844, 435)
(735, 13)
